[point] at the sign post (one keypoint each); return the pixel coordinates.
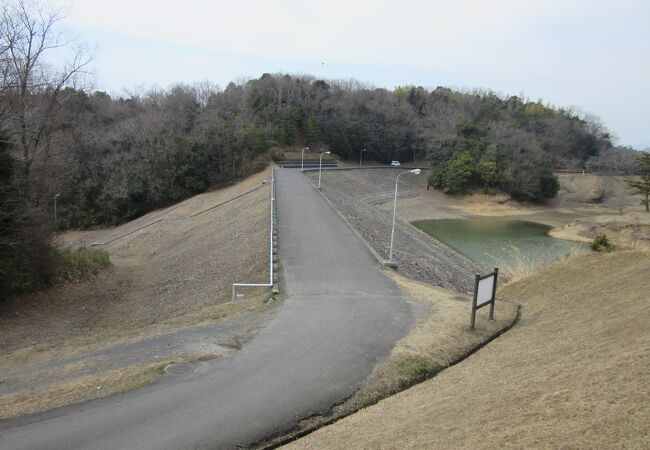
(485, 288)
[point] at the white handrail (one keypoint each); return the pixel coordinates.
(270, 283)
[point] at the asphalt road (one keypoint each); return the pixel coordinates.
(341, 316)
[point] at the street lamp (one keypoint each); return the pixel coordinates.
(302, 158)
(320, 166)
(56, 196)
(392, 231)
(361, 156)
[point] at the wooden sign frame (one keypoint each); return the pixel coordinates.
(480, 299)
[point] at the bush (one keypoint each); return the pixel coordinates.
(601, 243)
(82, 264)
(531, 180)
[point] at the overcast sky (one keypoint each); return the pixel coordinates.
(591, 54)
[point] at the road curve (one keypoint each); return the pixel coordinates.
(341, 316)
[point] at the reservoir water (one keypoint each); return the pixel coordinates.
(494, 242)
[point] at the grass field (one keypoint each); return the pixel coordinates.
(80, 389)
(574, 372)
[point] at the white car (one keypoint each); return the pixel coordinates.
(395, 163)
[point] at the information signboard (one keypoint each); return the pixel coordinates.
(485, 288)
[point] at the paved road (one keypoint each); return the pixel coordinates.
(342, 315)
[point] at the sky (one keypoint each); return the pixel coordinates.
(594, 54)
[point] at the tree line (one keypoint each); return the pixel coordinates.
(112, 158)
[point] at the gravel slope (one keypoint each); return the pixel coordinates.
(363, 197)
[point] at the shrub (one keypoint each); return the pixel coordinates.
(601, 243)
(82, 264)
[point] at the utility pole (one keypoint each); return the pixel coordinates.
(302, 158)
(320, 166)
(392, 230)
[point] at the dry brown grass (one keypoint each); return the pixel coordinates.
(575, 200)
(83, 340)
(628, 231)
(590, 188)
(174, 274)
(80, 390)
(573, 373)
(518, 265)
(441, 337)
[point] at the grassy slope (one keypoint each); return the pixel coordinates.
(175, 273)
(573, 373)
(628, 231)
(440, 337)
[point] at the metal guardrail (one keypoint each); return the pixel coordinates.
(272, 250)
(305, 161)
(316, 169)
(306, 165)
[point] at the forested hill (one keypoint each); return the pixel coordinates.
(108, 159)
(112, 159)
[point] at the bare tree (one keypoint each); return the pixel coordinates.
(29, 33)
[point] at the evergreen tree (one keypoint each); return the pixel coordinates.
(310, 130)
(642, 186)
(26, 258)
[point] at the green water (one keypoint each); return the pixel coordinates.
(501, 243)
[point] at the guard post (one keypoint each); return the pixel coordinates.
(485, 288)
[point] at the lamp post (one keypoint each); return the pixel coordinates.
(360, 157)
(320, 166)
(56, 196)
(302, 158)
(392, 231)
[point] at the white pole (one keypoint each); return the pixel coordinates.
(360, 157)
(392, 231)
(320, 166)
(302, 158)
